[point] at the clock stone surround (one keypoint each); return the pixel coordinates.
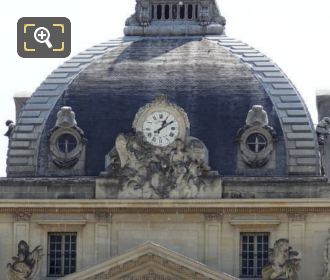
(137, 169)
(162, 104)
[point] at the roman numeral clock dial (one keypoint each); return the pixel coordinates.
(160, 128)
(161, 122)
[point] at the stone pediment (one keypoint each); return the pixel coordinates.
(150, 262)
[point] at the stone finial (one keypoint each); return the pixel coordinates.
(176, 18)
(26, 264)
(284, 262)
(66, 118)
(257, 116)
(10, 124)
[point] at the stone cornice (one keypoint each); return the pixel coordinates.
(221, 206)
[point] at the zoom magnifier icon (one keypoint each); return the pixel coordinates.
(42, 36)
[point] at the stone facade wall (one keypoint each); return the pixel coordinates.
(235, 188)
(209, 238)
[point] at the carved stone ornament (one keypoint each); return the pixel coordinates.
(209, 13)
(66, 118)
(213, 217)
(179, 169)
(204, 18)
(162, 104)
(297, 217)
(66, 140)
(256, 139)
(26, 264)
(326, 258)
(323, 130)
(284, 262)
(142, 14)
(11, 126)
(22, 216)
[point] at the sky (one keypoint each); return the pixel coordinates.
(293, 33)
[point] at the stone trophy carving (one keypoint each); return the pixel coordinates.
(67, 140)
(284, 262)
(326, 258)
(216, 15)
(256, 139)
(66, 118)
(322, 132)
(209, 12)
(10, 124)
(139, 169)
(26, 264)
(257, 116)
(142, 14)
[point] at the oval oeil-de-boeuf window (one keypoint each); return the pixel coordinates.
(66, 143)
(256, 142)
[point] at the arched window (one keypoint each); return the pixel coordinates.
(174, 11)
(159, 11)
(67, 143)
(196, 11)
(153, 12)
(167, 11)
(190, 11)
(182, 11)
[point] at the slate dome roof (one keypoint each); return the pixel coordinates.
(215, 79)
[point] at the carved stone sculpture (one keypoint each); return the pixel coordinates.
(175, 166)
(326, 258)
(284, 262)
(257, 116)
(67, 142)
(142, 170)
(10, 124)
(141, 16)
(323, 130)
(216, 16)
(66, 118)
(256, 139)
(26, 264)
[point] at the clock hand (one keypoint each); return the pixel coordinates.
(164, 126)
(164, 122)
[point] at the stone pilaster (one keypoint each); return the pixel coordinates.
(213, 223)
(297, 237)
(102, 236)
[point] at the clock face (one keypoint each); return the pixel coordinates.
(161, 128)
